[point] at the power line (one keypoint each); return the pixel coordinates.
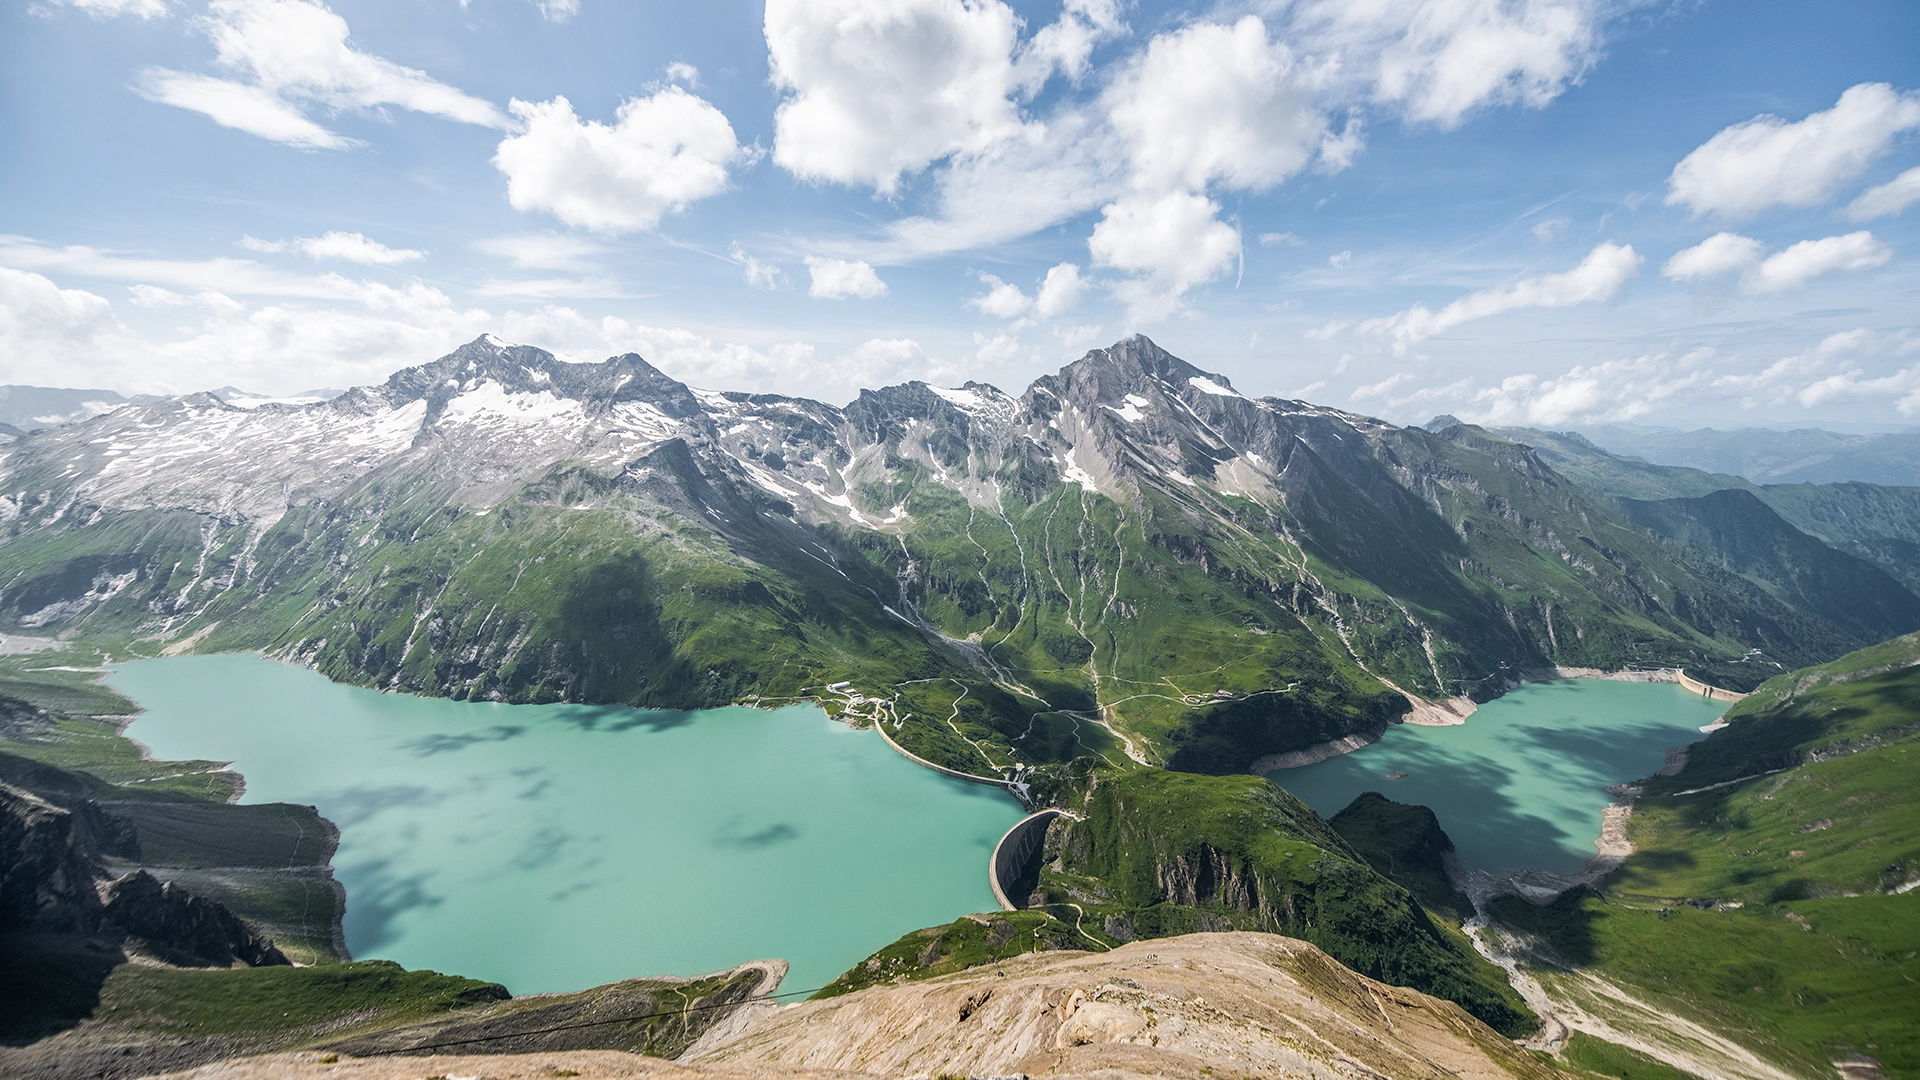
(588, 1024)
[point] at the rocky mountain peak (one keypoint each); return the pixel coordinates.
(524, 369)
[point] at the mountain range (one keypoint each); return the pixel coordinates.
(1130, 559)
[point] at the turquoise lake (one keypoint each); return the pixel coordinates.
(1522, 783)
(556, 847)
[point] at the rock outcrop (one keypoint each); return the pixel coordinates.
(191, 929)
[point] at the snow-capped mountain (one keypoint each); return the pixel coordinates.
(1130, 557)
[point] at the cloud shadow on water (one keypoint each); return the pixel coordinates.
(618, 718)
(777, 833)
(377, 895)
(542, 848)
(437, 743)
(355, 805)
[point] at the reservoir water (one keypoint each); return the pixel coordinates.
(556, 847)
(1521, 785)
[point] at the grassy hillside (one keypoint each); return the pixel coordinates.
(1161, 853)
(1770, 888)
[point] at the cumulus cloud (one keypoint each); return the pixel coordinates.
(878, 88)
(839, 279)
(1002, 300)
(1440, 59)
(1786, 269)
(1796, 265)
(1174, 242)
(1889, 198)
(53, 329)
(1059, 292)
(339, 247)
(1215, 102)
(1066, 45)
(1598, 278)
(1717, 254)
(292, 55)
(1768, 161)
(661, 154)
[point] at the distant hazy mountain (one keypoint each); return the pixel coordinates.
(1878, 523)
(1130, 558)
(26, 409)
(33, 408)
(1808, 455)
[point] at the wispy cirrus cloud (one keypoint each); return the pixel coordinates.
(288, 57)
(1599, 278)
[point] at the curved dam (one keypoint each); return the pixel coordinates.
(1016, 854)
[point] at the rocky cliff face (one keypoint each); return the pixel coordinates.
(51, 883)
(46, 875)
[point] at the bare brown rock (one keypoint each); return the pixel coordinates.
(1200, 1006)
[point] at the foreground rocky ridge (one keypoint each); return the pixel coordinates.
(1242, 1004)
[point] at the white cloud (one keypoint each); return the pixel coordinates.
(242, 107)
(542, 251)
(1175, 242)
(1066, 45)
(1548, 229)
(1215, 102)
(235, 277)
(838, 279)
(294, 54)
(47, 332)
(681, 72)
(557, 11)
(355, 247)
(1599, 277)
(995, 351)
(1808, 259)
(760, 275)
(1788, 268)
(1717, 254)
(878, 88)
(106, 9)
(1328, 330)
(661, 153)
(1060, 292)
(1269, 239)
(1002, 300)
(1850, 366)
(1889, 198)
(1440, 59)
(1381, 388)
(1340, 261)
(1767, 161)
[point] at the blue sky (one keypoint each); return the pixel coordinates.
(1553, 212)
